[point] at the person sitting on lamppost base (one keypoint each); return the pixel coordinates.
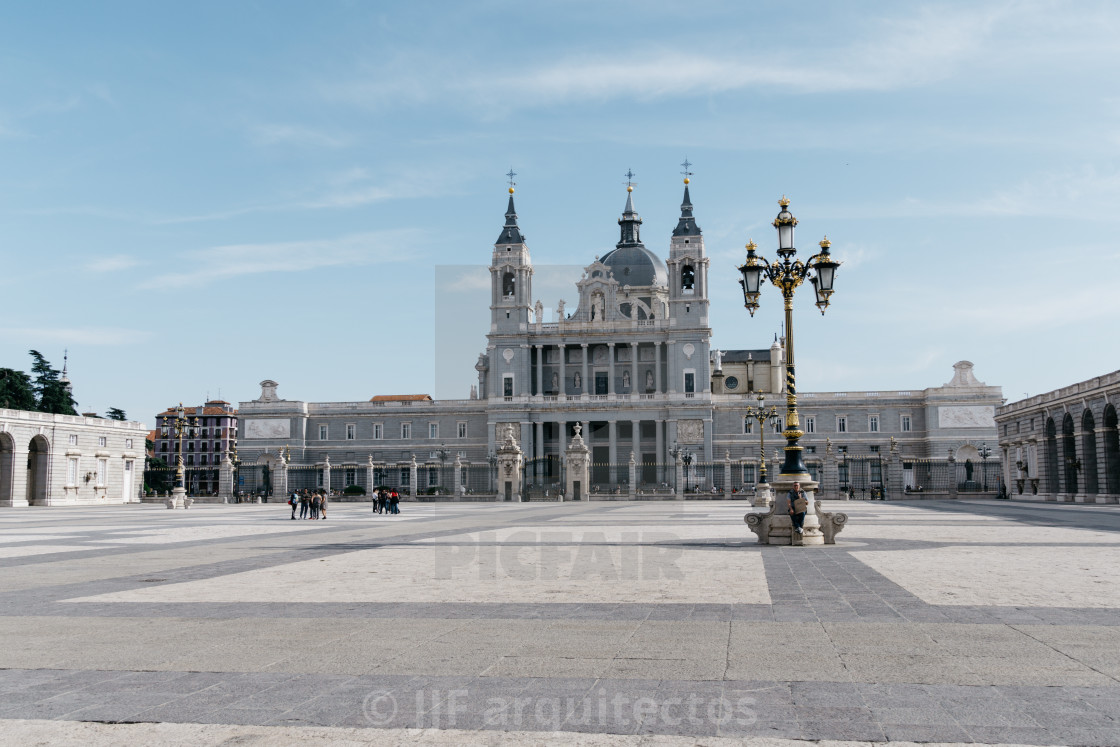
(798, 505)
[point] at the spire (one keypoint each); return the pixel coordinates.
(630, 234)
(64, 378)
(686, 226)
(510, 234)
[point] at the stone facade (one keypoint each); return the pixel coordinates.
(212, 432)
(68, 460)
(1063, 445)
(632, 364)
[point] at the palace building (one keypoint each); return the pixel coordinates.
(631, 364)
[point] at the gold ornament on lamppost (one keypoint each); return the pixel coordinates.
(763, 415)
(787, 273)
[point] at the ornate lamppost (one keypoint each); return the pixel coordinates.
(786, 274)
(985, 452)
(763, 415)
(179, 492)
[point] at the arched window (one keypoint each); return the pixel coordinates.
(508, 284)
(1069, 454)
(688, 277)
(1089, 449)
(1052, 456)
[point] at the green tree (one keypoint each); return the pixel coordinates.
(16, 391)
(51, 394)
(116, 413)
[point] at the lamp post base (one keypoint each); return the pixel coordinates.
(775, 527)
(179, 499)
(763, 496)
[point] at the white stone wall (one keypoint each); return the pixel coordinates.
(45, 478)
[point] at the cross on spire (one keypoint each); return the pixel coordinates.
(685, 166)
(511, 174)
(630, 178)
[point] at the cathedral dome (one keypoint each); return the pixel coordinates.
(636, 266)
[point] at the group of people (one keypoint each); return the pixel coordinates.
(386, 501)
(311, 504)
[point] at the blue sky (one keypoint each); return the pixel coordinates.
(200, 196)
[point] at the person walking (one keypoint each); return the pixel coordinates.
(293, 501)
(304, 504)
(315, 500)
(323, 507)
(376, 498)
(798, 505)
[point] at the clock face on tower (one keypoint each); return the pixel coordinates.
(731, 382)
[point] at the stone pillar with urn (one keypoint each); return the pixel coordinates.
(578, 473)
(510, 463)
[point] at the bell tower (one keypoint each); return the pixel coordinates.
(511, 273)
(688, 267)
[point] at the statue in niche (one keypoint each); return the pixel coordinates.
(555, 381)
(596, 307)
(649, 381)
(626, 379)
(577, 381)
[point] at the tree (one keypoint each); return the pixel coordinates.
(116, 413)
(16, 391)
(51, 393)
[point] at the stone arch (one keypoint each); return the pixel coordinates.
(38, 470)
(1111, 451)
(1089, 450)
(1069, 456)
(7, 473)
(1052, 457)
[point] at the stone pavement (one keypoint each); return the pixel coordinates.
(579, 623)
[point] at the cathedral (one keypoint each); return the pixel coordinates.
(631, 366)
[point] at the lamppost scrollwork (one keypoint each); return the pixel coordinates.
(787, 273)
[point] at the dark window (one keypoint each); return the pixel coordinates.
(690, 382)
(507, 284)
(688, 277)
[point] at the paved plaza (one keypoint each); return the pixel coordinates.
(579, 623)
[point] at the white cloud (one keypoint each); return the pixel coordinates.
(286, 134)
(113, 263)
(933, 44)
(75, 335)
(224, 262)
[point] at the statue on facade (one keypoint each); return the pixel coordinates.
(555, 381)
(577, 380)
(626, 379)
(649, 381)
(538, 312)
(717, 360)
(560, 309)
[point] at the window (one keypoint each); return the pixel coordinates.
(73, 440)
(405, 476)
(876, 471)
(689, 382)
(507, 385)
(748, 425)
(433, 476)
(688, 277)
(748, 474)
(461, 430)
(842, 473)
(163, 446)
(190, 458)
(202, 459)
(72, 471)
(351, 431)
(102, 469)
(873, 423)
(433, 430)
(406, 430)
(778, 425)
(322, 433)
(351, 476)
(810, 424)
(841, 424)
(101, 441)
(377, 432)
(128, 443)
(905, 423)
(462, 454)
